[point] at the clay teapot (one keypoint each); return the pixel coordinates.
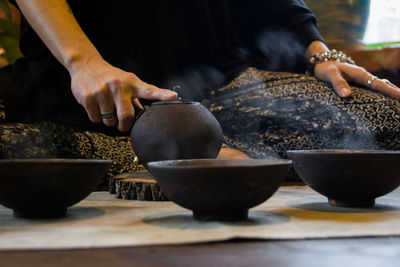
(177, 129)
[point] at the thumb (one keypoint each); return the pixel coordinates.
(340, 85)
(334, 76)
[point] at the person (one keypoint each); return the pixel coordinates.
(112, 57)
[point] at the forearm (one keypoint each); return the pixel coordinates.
(55, 24)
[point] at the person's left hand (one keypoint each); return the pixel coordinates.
(340, 73)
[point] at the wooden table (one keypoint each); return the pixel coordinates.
(354, 252)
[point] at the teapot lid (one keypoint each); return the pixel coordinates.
(174, 102)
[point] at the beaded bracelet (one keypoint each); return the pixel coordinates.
(332, 55)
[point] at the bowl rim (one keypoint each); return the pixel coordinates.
(344, 151)
(53, 161)
(174, 164)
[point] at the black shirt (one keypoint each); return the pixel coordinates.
(197, 44)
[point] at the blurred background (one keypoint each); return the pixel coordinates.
(367, 30)
(358, 23)
(9, 33)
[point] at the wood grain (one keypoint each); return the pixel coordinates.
(139, 185)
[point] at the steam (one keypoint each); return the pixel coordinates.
(265, 120)
(283, 49)
(177, 89)
(195, 82)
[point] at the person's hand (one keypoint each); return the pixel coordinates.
(231, 153)
(340, 73)
(108, 93)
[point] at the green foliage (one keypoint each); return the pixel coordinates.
(9, 34)
(382, 45)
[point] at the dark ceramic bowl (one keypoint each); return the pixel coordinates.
(352, 178)
(44, 188)
(218, 189)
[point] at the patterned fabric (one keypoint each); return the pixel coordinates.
(57, 139)
(265, 114)
(262, 113)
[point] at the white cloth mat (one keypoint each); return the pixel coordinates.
(294, 212)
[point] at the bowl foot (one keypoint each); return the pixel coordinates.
(233, 216)
(352, 203)
(40, 214)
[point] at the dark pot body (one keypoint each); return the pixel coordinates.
(171, 130)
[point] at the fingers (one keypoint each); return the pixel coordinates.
(126, 115)
(386, 88)
(340, 85)
(137, 103)
(121, 95)
(151, 92)
(332, 74)
(106, 106)
(125, 98)
(109, 98)
(124, 95)
(90, 105)
(124, 102)
(361, 76)
(100, 107)
(338, 73)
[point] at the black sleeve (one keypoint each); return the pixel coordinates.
(291, 15)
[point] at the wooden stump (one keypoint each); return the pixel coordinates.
(139, 185)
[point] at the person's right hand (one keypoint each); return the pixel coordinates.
(101, 88)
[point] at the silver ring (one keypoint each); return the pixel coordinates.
(386, 81)
(371, 80)
(108, 115)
